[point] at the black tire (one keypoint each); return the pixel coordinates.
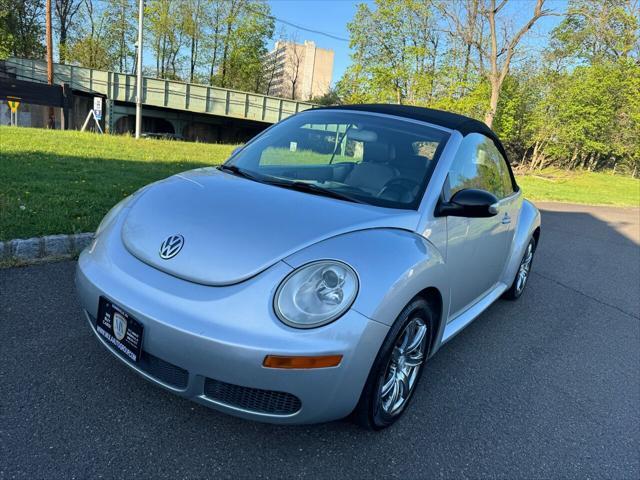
(515, 290)
(370, 412)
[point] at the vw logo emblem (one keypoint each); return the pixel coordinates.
(171, 246)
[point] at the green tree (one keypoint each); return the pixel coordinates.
(164, 21)
(246, 28)
(6, 35)
(91, 53)
(92, 47)
(65, 12)
(193, 12)
(250, 47)
(394, 53)
(332, 97)
(400, 54)
(121, 30)
(592, 118)
(597, 30)
(522, 92)
(502, 48)
(21, 28)
(211, 45)
(589, 114)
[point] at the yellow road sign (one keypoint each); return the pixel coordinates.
(13, 105)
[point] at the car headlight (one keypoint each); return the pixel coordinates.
(112, 214)
(316, 294)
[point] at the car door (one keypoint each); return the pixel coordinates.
(477, 248)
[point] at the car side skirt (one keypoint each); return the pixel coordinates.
(456, 325)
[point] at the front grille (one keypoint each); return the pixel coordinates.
(252, 399)
(153, 366)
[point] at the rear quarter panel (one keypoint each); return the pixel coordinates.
(528, 222)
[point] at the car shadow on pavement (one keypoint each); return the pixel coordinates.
(547, 386)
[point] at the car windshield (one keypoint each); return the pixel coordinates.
(366, 158)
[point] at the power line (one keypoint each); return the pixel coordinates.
(299, 27)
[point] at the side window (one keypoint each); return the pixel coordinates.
(478, 164)
(506, 179)
(506, 176)
(507, 184)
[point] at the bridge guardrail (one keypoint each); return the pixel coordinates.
(163, 93)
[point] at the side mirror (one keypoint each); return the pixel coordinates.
(471, 203)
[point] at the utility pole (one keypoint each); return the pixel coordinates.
(51, 122)
(138, 72)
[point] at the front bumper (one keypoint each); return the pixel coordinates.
(208, 343)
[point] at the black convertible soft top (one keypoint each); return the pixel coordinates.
(454, 121)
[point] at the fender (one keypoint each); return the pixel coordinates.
(528, 221)
(393, 266)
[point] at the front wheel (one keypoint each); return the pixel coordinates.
(524, 270)
(397, 368)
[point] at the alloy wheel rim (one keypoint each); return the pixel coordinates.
(403, 368)
(525, 267)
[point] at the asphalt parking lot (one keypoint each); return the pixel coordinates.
(546, 387)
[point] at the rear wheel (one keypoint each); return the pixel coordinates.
(524, 270)
(397, 368)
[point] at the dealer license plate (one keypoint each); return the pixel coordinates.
(119, 329)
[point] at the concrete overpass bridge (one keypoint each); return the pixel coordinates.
(194, 111)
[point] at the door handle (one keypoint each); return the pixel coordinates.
(506, 219)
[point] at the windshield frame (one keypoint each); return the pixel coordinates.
(380, 203)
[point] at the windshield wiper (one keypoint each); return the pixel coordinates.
(313, 188)
(292, 185)
(240, 172)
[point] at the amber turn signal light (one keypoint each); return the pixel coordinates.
(324, 361)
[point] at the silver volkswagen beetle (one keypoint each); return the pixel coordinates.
(312, 275)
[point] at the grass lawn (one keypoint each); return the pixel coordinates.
(581, 187)
(65, 181)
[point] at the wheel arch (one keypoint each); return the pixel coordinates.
(433, 296)
(394, 266)
(536, 235)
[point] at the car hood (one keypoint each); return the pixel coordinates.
(233, 228)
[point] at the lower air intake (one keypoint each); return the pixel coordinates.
(252, 399)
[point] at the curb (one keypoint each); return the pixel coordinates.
(43, 249)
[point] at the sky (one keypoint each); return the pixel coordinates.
(332, 16)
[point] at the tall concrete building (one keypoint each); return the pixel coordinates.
(299, 71)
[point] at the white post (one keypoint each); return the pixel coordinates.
(139, 72)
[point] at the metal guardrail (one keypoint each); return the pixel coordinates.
(188, 97)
